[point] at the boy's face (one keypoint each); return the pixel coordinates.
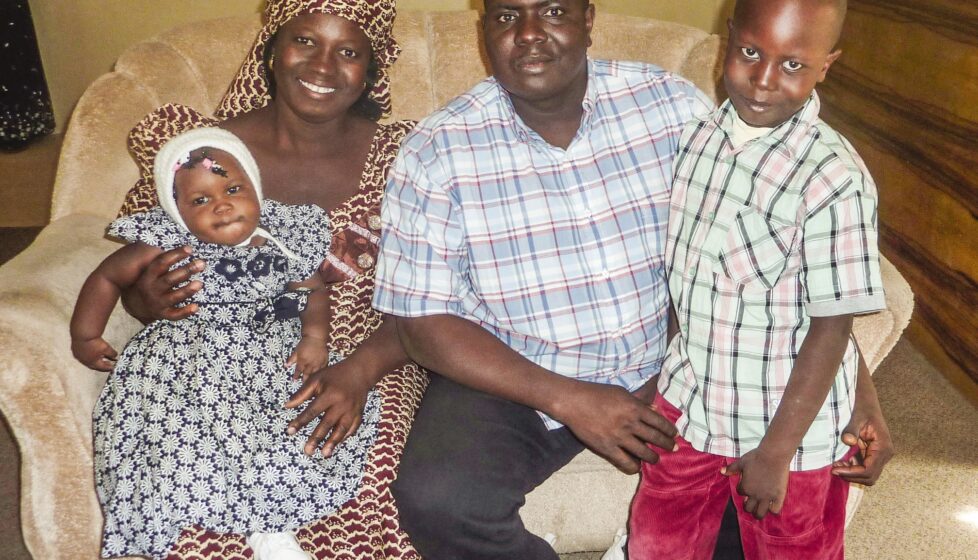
(217, 209)
(778, 50)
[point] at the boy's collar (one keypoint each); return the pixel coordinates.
(790, 133)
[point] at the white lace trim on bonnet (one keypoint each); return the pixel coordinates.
(164, 169)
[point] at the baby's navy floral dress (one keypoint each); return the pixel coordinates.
(190, 427)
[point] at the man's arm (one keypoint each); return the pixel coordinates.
(765, 469)
(607, 419)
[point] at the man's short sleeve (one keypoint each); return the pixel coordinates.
(419, 271)
(700, 106)
(840, 257)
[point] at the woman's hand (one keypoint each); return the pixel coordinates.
(156, 293)
(338, 393)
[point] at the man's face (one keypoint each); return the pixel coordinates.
(777, 52)
(538, 48)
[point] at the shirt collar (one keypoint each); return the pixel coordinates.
(790, 134)
(508, 113)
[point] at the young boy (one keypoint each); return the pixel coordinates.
(771, 250)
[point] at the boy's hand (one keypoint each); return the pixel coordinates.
(872, 436)
(95, 353)
(309, 355)
(763, 482)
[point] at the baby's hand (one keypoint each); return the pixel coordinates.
(309, 356)
(95, 353)
(763, 482)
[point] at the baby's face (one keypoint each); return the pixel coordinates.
(778, 50)
(217, 209)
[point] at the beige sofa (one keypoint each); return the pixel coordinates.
(48, 397)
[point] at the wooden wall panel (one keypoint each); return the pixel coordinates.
(905, 92)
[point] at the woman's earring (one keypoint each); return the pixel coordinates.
(271, 63)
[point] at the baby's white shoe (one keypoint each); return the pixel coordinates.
(617, 550)
(276, 546)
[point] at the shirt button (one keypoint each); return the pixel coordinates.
(606, 274)
(365, 261)
(373, 222)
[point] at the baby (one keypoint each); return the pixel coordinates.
(190, 429)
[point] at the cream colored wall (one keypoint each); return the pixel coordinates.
(708, 15)
(80, 39)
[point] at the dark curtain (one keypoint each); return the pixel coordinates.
(25, 106)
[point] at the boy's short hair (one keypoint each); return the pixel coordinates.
(838, 6)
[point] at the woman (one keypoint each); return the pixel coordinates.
(306, 102)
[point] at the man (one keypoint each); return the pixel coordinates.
(523, 257)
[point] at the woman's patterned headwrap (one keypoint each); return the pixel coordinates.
(249, 90)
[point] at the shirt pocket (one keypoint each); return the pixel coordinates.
(755, 251)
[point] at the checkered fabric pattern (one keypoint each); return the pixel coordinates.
(558, 253)
(761, 239)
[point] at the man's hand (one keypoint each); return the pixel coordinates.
(763, 482)
(616, 425)
(95, 353)
(872, 437)
(338, 394)
(309, 355)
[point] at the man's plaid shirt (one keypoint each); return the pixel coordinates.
(762, 238)
(558, 253)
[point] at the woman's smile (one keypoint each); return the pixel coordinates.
(316, 88)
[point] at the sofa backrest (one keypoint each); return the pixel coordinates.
(193, 65)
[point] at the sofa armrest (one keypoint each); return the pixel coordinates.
(878, 333)
(46, 396)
